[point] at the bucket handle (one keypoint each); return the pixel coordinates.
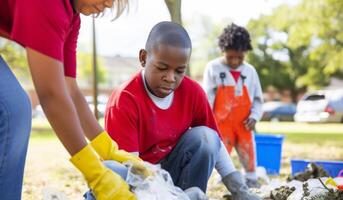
(340, 174)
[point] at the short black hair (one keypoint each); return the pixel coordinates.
(169, 33)
(236, 38)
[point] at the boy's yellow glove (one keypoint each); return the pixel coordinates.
(108, 150)
(105, 184)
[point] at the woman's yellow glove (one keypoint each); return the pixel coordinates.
(108, 149)
(105, 184)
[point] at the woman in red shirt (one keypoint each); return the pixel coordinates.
(48, 31)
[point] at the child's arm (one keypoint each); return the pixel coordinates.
(209, 84)
(256, 109)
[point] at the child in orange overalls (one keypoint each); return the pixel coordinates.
(235, 93)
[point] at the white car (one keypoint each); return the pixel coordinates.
(320, 106)
(278, 111)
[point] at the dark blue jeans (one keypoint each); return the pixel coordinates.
(15, 128)
(191, 162)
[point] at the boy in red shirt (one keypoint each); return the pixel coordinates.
(164, 116)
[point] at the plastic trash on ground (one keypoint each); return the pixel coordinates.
(312, 188)
(261, 174)
(319, 188)
(159, 186)
(264, 191)
(53, 194)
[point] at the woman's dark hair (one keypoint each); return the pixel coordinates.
(236, 38)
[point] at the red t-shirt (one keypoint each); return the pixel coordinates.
(134, 121)
(49, 27)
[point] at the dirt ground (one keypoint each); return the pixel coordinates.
(48, 169)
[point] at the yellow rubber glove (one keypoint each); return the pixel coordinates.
(105, 184)
(108, 150)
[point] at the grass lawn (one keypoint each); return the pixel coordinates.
(307, 141)
(303, 128)
(48, 168)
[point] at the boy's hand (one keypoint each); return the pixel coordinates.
(249, 123)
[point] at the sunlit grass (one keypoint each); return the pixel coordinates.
(303, 128)
(47, 165)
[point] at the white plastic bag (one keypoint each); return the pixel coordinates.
(157, 187)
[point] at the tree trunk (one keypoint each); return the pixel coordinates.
(95, 77)
(174, 8)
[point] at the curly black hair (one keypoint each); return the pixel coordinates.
(236, 38)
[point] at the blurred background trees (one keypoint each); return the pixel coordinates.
(297, 47)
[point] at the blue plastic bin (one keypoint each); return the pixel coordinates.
(332, 167)
(269, 151)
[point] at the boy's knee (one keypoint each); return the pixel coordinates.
(206, 139)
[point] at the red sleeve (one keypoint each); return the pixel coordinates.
(44, 26)
(121, 122)
(203, 115)
(70, 46)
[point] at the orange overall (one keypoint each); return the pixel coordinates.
(231, 111)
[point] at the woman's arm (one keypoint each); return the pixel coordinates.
(48, 78)
(90, 125)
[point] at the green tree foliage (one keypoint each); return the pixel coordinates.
(15, 58)
(299, 47)
(205, 42)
